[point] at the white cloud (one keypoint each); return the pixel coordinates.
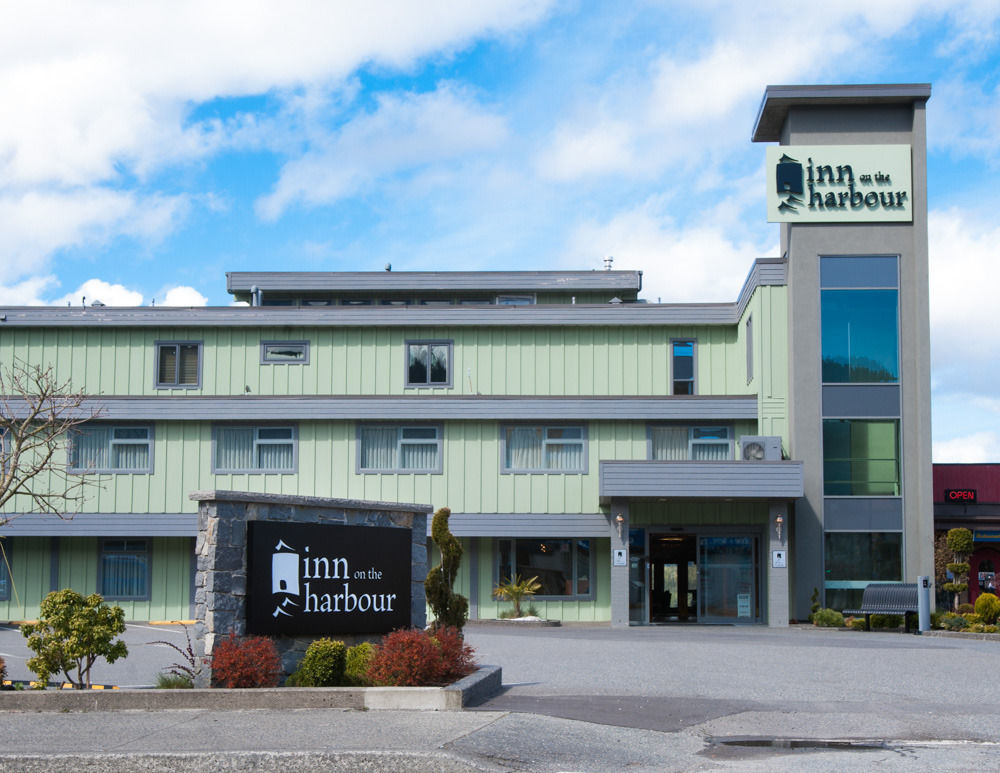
(26, 293)
(976, 448)
(405, 133)
(183, 296)
(98, 290)
(37, 223)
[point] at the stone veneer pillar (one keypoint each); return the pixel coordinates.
(221, 554)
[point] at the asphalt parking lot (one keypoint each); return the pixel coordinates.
(589, 698)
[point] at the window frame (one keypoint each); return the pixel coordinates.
(146, 552)
(831, 483)
(157, 346)
(6, 557)
(516, 299)
(293, 441)
(590, 595)
(674, 342)
(264, 345)
(583, 440)
(438, 468)
(111, 427)
(428, 342)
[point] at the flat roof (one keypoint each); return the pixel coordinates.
(778, 99)
(430, 281)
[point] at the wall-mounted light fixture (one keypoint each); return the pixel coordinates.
(619, 522)
(778, 521)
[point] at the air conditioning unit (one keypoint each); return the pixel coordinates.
(761, 448)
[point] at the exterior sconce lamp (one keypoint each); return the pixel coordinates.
(777, 526)
(619, 522)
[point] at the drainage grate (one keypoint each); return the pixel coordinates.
(737, 746)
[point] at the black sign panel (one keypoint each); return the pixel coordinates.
(960, 495)
(309, 578)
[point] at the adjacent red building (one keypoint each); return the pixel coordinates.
(968, 495)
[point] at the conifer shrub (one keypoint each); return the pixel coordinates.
(988, 608)
(886, 621)
(952, 622)
(358, 661)
(322, 666)
(250, 661)
(965, 609)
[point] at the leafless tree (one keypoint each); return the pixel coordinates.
(37, 415)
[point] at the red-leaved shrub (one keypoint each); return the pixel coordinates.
(251, 661)
(413, 658)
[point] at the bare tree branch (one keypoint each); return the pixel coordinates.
(37, 416)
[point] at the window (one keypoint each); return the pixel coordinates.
(292, 352)
(749, 337)
(674, 443)
(544, 449)
(515, 300)
(398, 449)
(428, 363)
(103, 448)
(124, 569)
(254, 449)
(682, 362)
(563, 566)
(860, 319)
(860, 457)
(178, 364)
(854, 559)
(5, 569)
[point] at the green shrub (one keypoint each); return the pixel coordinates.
(988, 607)
(322, 666)
(972, 618)
(248, 662)
(167, 681)
(359, 660)
(813, 604)
(855, 623)
(828, 618)
(936, 618)
(965, 609)
(954, 622)
(887, 621)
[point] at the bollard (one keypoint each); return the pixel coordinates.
(923, 603)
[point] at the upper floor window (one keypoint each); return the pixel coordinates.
(399, 449)
(677, 443)
(544, 449)
(859, 303)
(749, 337)
(515, 300)
(682, 367)
(4, 572)
(289, 352)
(861, 457)
(178, 364)
(428, 363)
(104, 448)
(265, 449)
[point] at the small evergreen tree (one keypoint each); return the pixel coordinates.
(960, 544)
(449, 608)
(72, 632)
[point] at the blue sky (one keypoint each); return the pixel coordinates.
(147, 148)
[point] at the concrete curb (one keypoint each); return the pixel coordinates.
(469, 691)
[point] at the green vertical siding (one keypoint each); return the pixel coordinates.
(29, 559)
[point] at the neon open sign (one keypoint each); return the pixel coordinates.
(959, 495)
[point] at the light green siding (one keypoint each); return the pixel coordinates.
(29, 576)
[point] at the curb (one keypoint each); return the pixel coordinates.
(469, 691)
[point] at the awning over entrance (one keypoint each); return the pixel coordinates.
(700, 480)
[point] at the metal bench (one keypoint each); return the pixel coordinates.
(887, 598)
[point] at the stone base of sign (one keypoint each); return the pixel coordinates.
(220, 598)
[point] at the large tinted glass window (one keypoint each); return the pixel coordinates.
(860, 336)
(854, 559)
(860, 457)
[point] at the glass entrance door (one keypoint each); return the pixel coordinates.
(727, 579)
(638, 609)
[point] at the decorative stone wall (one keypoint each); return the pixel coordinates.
(221, 577)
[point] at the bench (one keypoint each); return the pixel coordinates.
(887, 598)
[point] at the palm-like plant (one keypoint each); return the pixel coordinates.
(516, 590)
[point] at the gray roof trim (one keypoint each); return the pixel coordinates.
(765, 271)
(103, 525)
(528, 525)
(294, 500)
(700, 480)
(778, 99)
(364, 281)
(425, 407)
